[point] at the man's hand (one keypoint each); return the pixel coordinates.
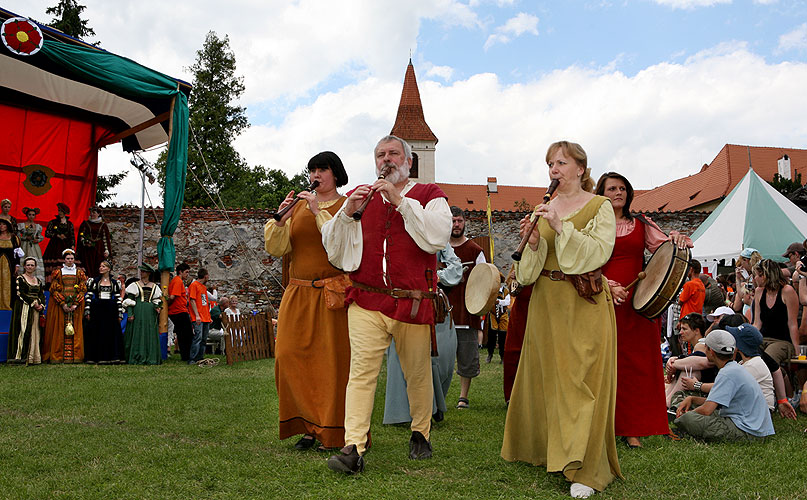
(684, 407)
(389, 190)
(355, 199)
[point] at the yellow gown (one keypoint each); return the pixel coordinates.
(561, 412)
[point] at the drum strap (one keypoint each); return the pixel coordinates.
(398, 293)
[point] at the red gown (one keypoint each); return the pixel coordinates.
(641, 408)
(515, 338)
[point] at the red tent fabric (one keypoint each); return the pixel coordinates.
(46, 159)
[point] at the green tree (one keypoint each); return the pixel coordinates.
(105, 185)
(214, 166)
(68, 19)
(277, 185)
(786, 186)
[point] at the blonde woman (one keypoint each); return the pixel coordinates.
(558, 417)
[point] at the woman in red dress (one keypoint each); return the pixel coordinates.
(641, 408)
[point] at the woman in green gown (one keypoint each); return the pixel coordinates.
(143, 303)
(23, 342)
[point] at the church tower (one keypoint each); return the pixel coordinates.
(410, 125)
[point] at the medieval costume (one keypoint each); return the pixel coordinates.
(5, 215)
(396, 402)
(10, 254)
(103, 338)
(30, 234)
(93, 244)
(312, 350)
(641, 409)
(64, 330)
(25, 335)
(561, 412)
(62, 235)
(142, 338)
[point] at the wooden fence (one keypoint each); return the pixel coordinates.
(251, 337)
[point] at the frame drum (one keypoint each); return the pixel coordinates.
(666, 272)
(482, 288)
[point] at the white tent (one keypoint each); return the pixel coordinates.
(753, 215)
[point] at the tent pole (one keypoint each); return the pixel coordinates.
(142, 217)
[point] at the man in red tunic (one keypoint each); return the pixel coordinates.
(391, 254)
(468, 326)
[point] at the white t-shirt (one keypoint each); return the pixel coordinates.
(762, 375)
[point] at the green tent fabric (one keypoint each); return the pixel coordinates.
(753, 215)
(126, 77)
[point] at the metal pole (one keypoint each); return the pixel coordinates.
(142, 218)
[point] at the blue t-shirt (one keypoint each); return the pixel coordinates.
(740, 398)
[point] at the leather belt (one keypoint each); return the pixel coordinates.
(399, 293)
(309, 283)
(555, 275)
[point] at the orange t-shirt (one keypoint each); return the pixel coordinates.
(198, 293)
(692, 297)
(180, 303)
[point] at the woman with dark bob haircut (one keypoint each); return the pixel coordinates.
(641, 408)
(312, 357)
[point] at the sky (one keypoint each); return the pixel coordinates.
(652, 89)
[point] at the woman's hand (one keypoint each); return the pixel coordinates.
(65, 308)
(786, 410)
(619, 293)
(548, 212)
(535, 236)
(680, 240)
(130, 318)
(286, 202)
(311, 198)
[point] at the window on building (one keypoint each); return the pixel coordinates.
(413, 172)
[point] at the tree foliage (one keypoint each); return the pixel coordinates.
(68, 19)
(105, 184)
(786, 186)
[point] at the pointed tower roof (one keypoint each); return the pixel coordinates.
(410, 123)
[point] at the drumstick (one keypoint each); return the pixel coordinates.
(642, 275)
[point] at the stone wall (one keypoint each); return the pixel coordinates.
(231, 245)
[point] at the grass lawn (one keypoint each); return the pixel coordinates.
(178, 431)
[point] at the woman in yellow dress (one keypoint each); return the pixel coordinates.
(312, 357)
(561, 412)
(10, 254)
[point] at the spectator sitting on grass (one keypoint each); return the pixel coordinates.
(692, 327)
(728, 322)
(735, 408)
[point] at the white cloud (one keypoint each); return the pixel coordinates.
(514, 27)
(796, 39)
(444, 72)
(661, 124)
(693, 4)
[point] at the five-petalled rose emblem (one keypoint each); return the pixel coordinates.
(21, 36)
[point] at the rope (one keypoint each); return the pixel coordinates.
(220, 207)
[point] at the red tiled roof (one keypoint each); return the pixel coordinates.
(507, 199)
(474, 197)
(410, 124)
(717, 179)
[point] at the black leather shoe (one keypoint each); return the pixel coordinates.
(348, 461)
(305, 443)
(438, 415)
(419, 448)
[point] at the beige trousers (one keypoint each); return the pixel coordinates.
(370, 334)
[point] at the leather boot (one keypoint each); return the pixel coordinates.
(348, 461)
(419, 448)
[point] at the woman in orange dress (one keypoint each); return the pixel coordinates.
(64, 333)
(312, 351)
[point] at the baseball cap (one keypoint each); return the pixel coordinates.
(747, 252)
(721, 341)
(747, 337)
(720, 311)
(794, 247)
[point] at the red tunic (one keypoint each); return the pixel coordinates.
(406, 263)
(468, 252)
(641, 408)
(515, 338)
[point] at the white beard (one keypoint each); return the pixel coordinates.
(398, 174)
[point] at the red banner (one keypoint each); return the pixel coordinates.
(46, 159)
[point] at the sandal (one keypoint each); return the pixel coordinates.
(463, 404)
